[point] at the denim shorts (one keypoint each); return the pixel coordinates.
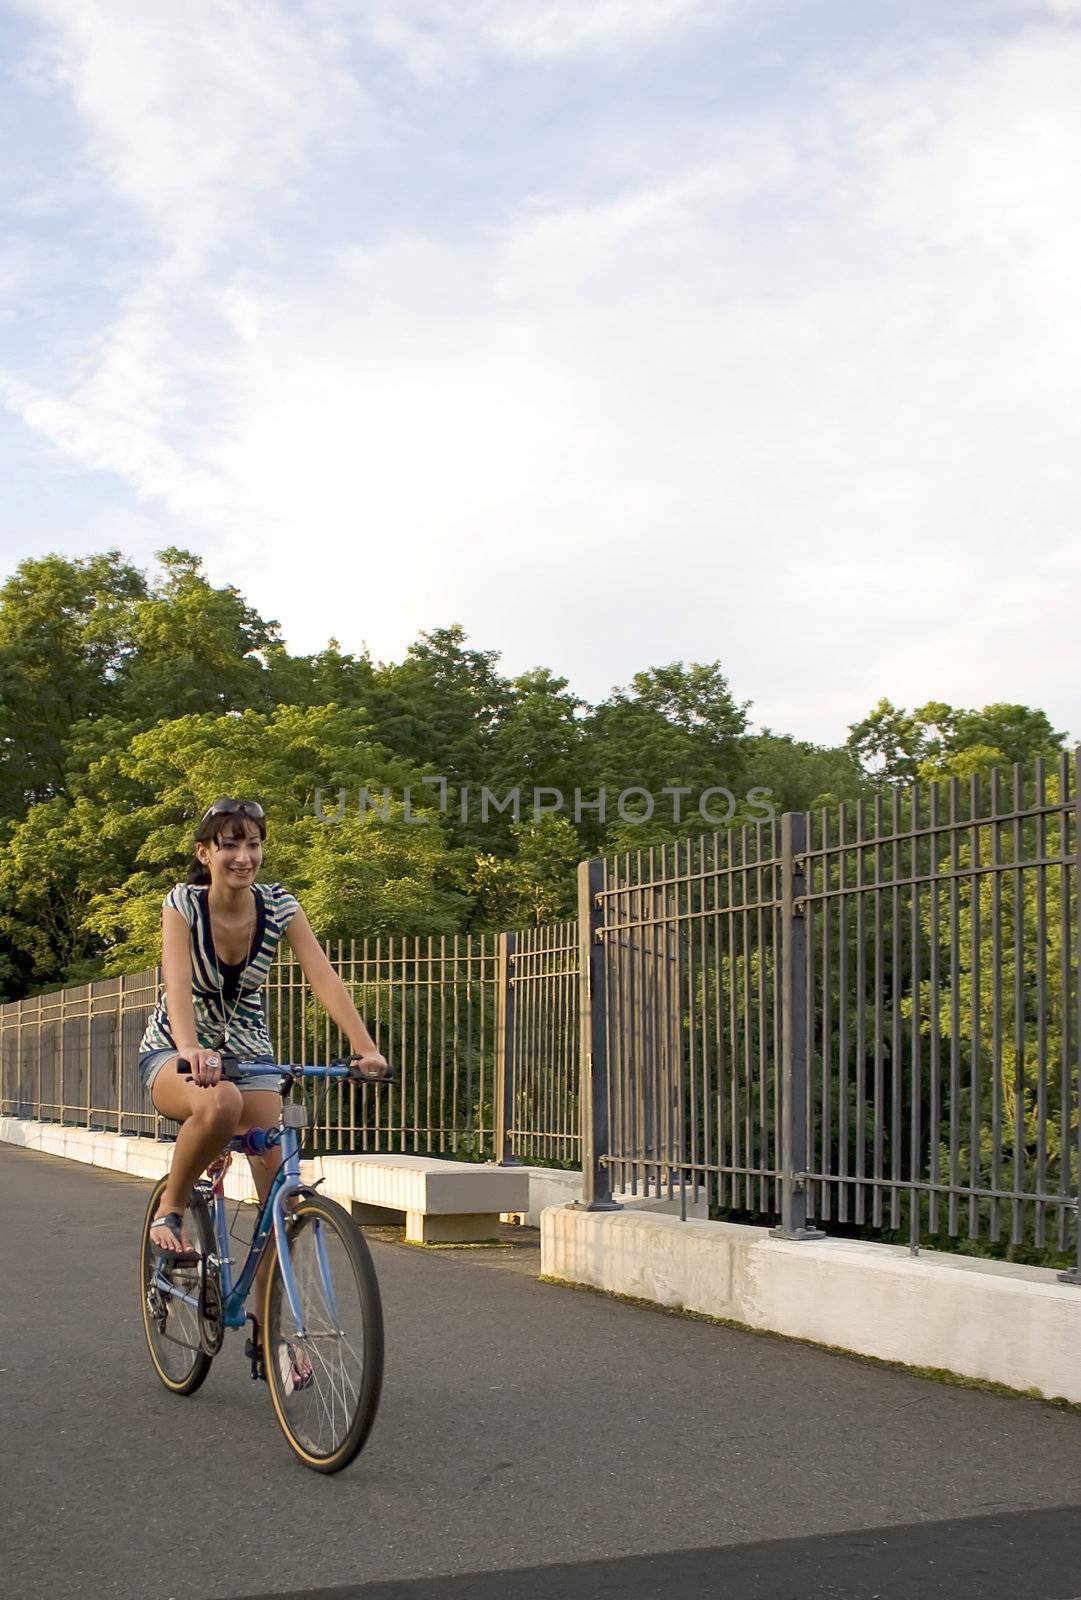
(152, 1061)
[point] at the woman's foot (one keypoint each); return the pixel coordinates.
(293, 1364)
(168, 1233)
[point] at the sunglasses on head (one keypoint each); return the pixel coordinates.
(228, 808)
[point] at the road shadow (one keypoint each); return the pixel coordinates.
(1023, 1555)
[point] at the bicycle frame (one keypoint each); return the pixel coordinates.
(272, 1218)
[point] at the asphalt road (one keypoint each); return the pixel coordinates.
(532, 1441)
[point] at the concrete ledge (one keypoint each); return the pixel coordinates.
(980, 1319)
(553, 1186)
(433, 1193)
(131, 1153)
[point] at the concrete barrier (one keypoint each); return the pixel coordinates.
(443, 1201)
(140, 1157)
(553, 1186)
(989, 1320)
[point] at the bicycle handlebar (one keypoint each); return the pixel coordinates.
(334, 1070)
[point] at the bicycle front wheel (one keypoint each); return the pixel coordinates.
(325, 1368)
(171, 1323)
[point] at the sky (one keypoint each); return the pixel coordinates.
(621, 332)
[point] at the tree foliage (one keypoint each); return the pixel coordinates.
(129, 701)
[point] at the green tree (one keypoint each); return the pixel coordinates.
(173, 771)
(194, 648)
(65, 634)
(537, 884)
(937, 740)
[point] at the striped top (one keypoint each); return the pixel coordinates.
(247, 1031)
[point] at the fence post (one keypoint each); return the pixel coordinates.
(593, 1040)
(1073, 1274)
(794, 1030)
(504, 1050)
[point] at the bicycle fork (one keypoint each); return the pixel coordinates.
(285, 1257)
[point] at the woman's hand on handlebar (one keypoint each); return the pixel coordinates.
(205, 1066)
(369, 1066)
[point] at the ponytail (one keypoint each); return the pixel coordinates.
(197, 872)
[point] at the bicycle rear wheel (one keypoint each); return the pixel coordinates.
(170, 1324)
(324, 1375)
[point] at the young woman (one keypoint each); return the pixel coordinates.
(219, 934)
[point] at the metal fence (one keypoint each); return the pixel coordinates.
(541, 1054)
(866, 1016)
(431, 1004)
(71, 1056)
(481, 1029)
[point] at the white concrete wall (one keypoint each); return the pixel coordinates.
(427, 1184)
(981, 1319)
(142, 1158)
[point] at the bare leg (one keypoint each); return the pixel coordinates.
(208, 1117)
(262, 1109)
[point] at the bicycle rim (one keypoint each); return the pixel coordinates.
(171, 1326)
(324, 1381)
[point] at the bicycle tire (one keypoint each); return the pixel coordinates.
(353, 1379)
(178, 1358)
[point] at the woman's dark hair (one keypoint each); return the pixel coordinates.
(215, 826)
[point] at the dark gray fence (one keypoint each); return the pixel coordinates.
(482, 1030)
(71, 1056)
(867, 1016)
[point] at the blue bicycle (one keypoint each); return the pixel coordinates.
(322, 1319)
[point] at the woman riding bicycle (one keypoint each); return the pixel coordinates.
(219, 934)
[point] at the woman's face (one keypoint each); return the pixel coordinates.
(235, 856)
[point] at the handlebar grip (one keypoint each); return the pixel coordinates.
(362, 1077)
(183, 1067)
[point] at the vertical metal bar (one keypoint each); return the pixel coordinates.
(975, 1125)
(1040, 1237)
(119, 1064)
(896, 1076)
(877, 1159)
(592, 914)
(1016, 1233)
(794, 1008)
(1064, 1098)
(808, 1024)
(723, 1184)
(504, 1049)
(996, 1002)
(842, 1018)
(861, 1014)
(825, 1206)
(916, 989)
(935, 1045)
(761, 1158)
(1073, 1274)
(955, 1010)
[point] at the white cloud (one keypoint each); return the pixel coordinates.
(805, 401)
(431, 36)
(194, 113)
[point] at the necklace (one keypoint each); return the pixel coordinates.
(228, 1016)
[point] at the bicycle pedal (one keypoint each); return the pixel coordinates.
(254, 1354)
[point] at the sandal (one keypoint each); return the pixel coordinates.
(175, 1222)
(296, 1370)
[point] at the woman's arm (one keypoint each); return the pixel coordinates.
(328, 988)
(176, 975)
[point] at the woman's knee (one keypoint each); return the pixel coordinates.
(219, 1107)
